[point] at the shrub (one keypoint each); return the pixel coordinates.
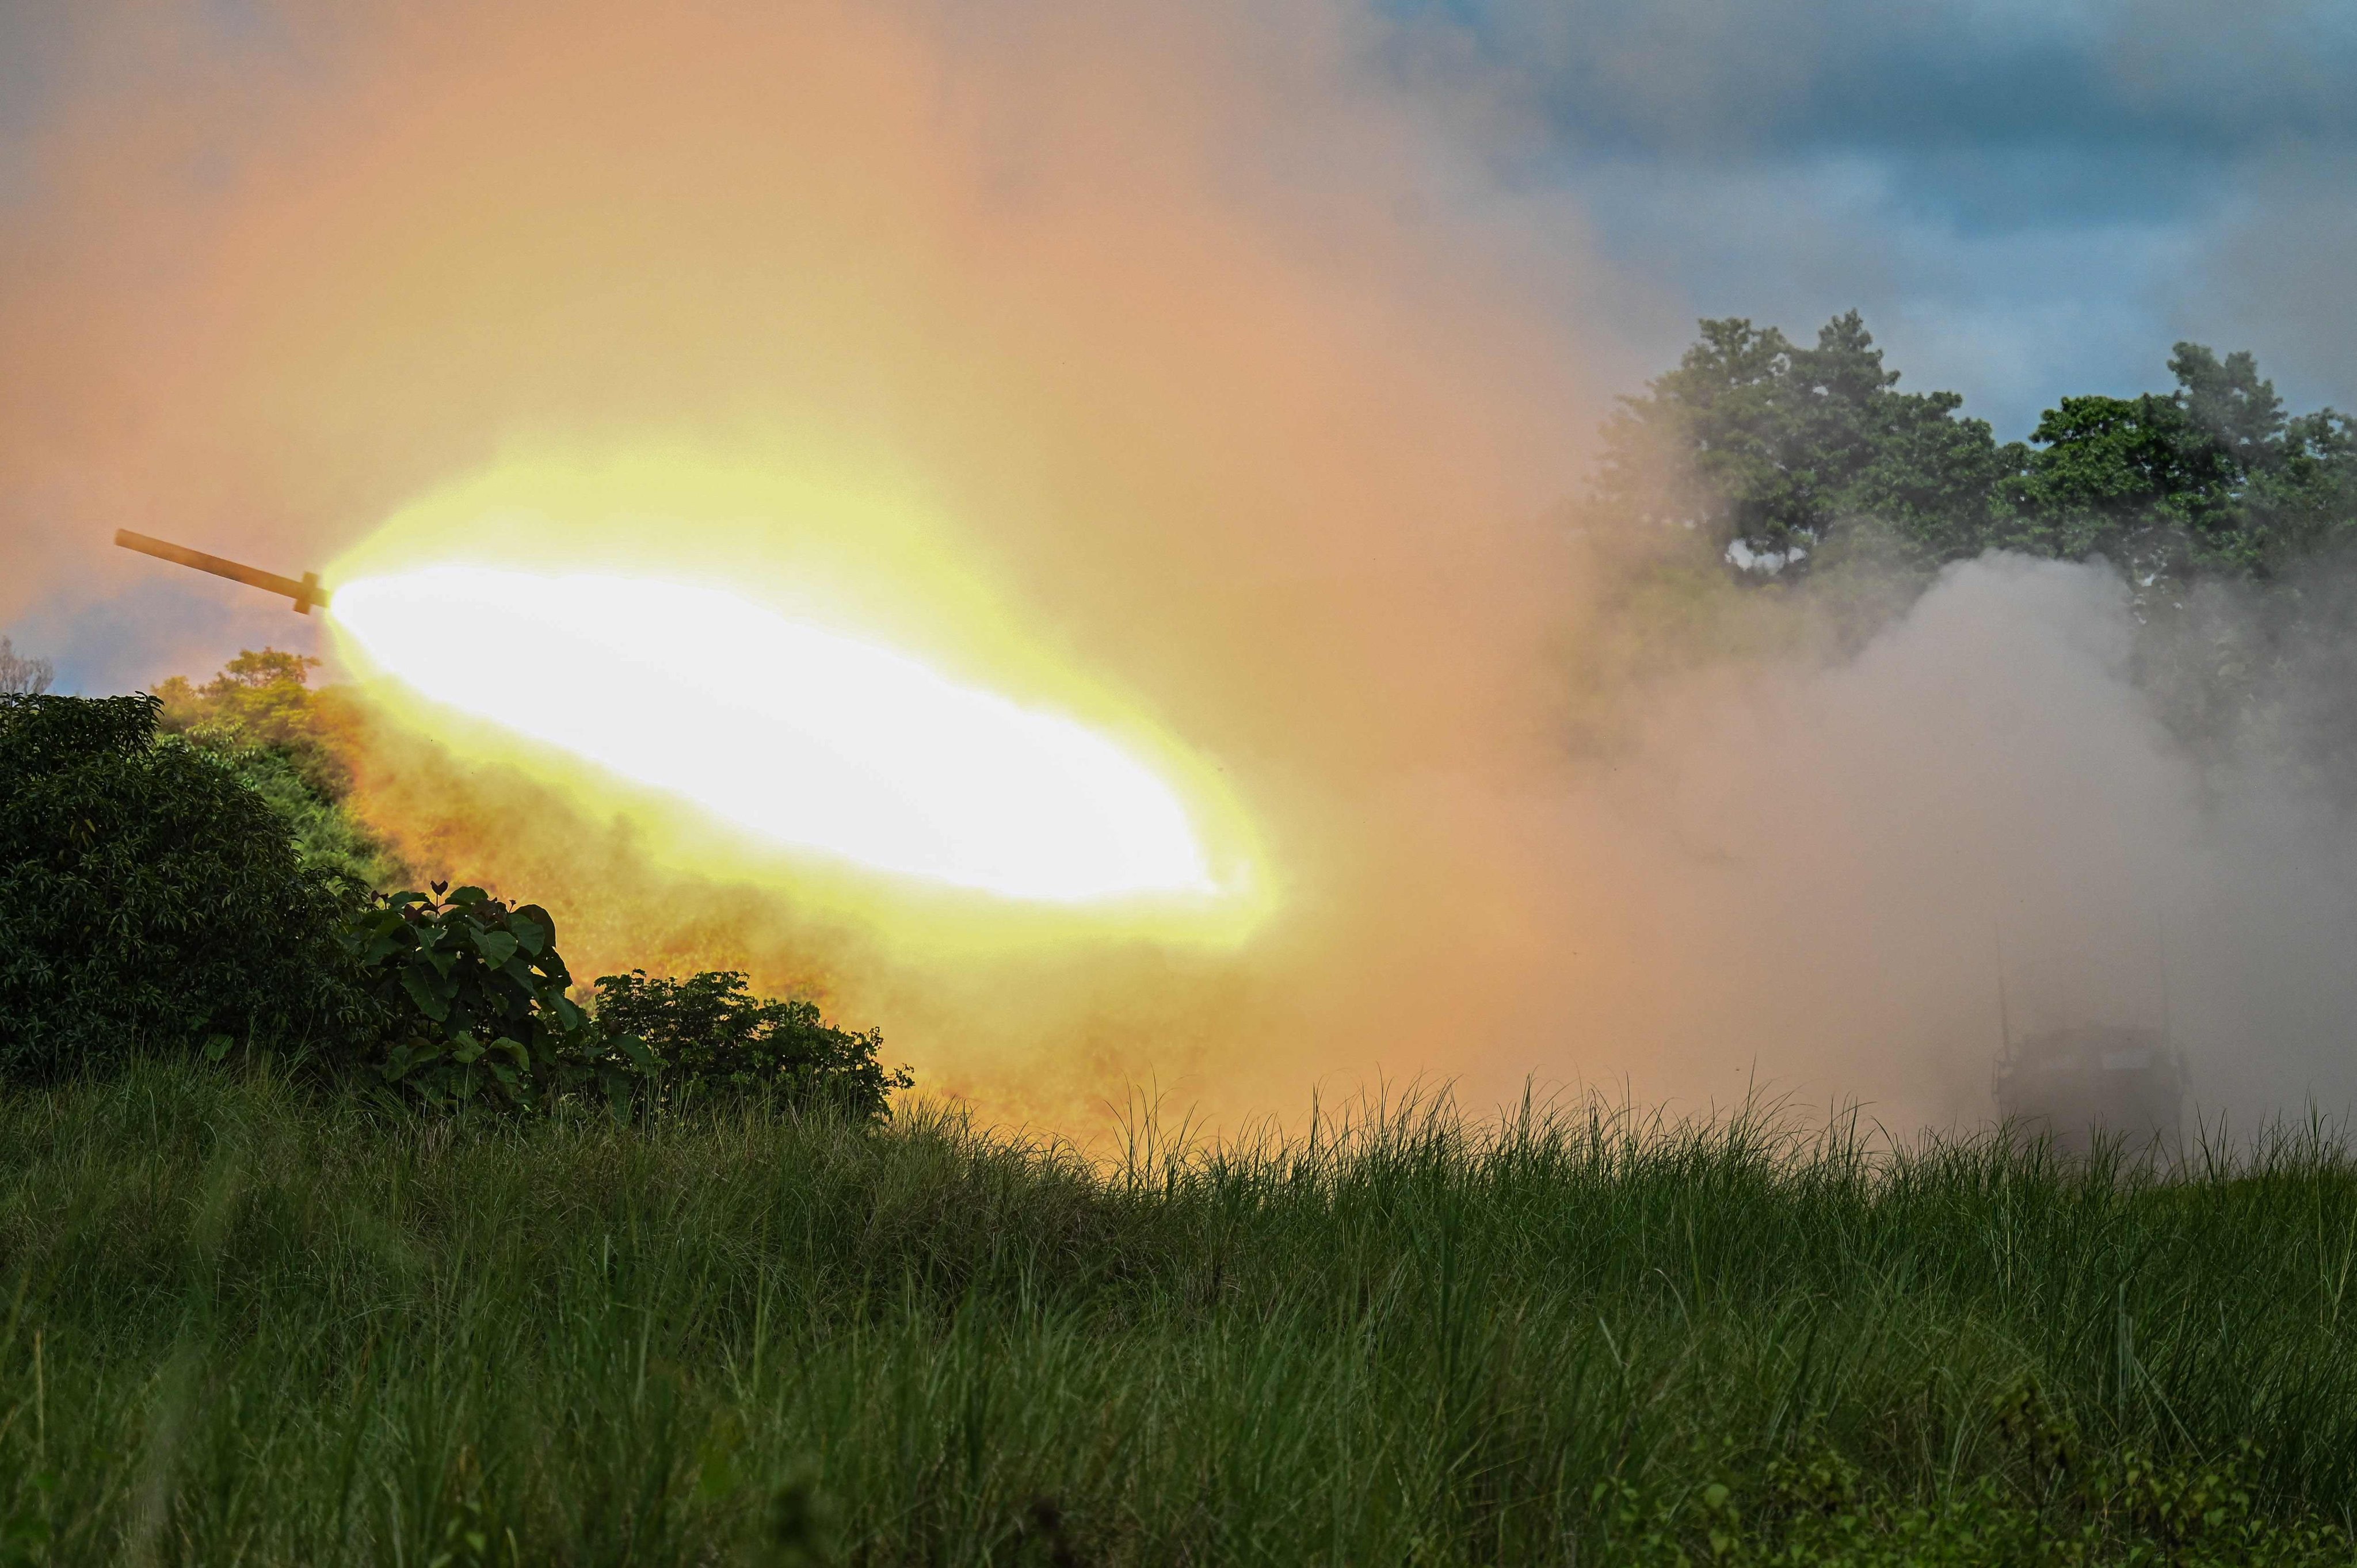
(147, 899)
(707, 1036)
(474, 992)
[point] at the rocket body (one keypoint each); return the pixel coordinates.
(305, 592)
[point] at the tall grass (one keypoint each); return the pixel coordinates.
(249, 1323)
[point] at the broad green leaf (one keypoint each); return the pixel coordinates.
(423, 993)
(532, 930)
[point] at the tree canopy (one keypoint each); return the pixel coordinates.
(292, 746)
(1779, 452)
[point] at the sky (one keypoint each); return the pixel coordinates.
(2024, 200)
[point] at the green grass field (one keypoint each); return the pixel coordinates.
(249, 1322)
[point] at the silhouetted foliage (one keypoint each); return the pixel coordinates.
(474, 990)
(708, 1036)
(147, 899)
(153, 894)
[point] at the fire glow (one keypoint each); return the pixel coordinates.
(804, 737)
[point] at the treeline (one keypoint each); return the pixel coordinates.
(1787, 456)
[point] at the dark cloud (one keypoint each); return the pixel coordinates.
(2026, 199)
(2282, 268)
(2009, 113)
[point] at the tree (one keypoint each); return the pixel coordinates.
(262, 697)
(2113, 472)
(289, 744)
(2233, 413)
(2212, 477)
(21, 675)
(2306, 500)
(1778, 449)
(1773, 452)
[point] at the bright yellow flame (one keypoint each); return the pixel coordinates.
(803, 736)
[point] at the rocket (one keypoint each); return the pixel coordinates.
(304, 593)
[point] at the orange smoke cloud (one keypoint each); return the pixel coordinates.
(1144, 301)
(1234, 378)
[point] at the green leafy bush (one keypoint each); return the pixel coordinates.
(149, 899)
(474, 990)
(708, 1036)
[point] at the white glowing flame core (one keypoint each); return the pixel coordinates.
(803, 737)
